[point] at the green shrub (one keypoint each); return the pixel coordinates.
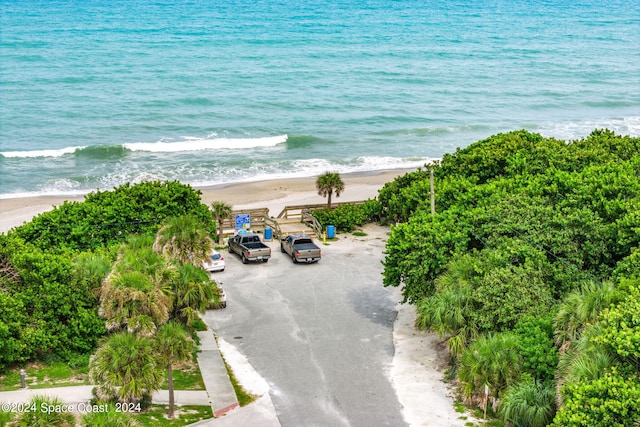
(108, 217)
(42, 413)
(348, 216)
(528, 403)
(492, 360)
(611, 400)
(536, 347)
(109, 418)
(53, 265)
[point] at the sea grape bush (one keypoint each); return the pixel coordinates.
(47, 310)
(611, 400)
(348, 216)
(547, 228)
(52, 267)
(108, 217)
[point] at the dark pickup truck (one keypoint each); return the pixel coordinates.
(249, 247)
(301, 248)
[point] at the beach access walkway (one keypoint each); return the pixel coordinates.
(219, 392)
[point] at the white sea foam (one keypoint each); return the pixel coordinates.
(198, 144)
(576, 129)
(41, 153)
(306, 168)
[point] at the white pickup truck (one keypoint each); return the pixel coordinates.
(301, 248)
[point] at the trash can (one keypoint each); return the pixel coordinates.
(268, 233)
(331, 232)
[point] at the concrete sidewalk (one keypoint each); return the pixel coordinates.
(214, 375)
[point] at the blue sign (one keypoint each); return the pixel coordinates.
(243, 221)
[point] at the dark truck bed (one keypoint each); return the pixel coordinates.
(249, 247)
(301, 248)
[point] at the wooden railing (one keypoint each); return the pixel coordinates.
(293, 211)
(260, 218)
(277, 232)
(311, 220)
(257, 218)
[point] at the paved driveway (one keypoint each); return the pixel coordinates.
(319, 334)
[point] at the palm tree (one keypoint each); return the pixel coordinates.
(329, 183)
(583, 360)
(137, 254)
(492, 360)
(220, 211)
(581, 308)
(193, 291)
(40, 418)
(172, 345)
(528, 403)
(131, 300)
(184, 239)
(447, 313)
(126, 366)
(91, 269)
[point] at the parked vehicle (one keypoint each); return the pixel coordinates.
(215, 262)
(300, 248)
(249, 247)
(223, 299)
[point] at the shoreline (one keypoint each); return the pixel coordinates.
(274, 194)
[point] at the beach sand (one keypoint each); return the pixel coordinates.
(273, 194)
(417, 371)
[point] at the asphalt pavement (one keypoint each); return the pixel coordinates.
(321, 335)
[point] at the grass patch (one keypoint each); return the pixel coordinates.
(491, 421)
(244, 397)
(5, 417)
(38, 375)
(184, 415)
(186, 376)
(55, 371)
(459, 407)
(359, 233)
(198, 325)
(10, 380)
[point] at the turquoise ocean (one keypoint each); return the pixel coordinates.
(97, 93)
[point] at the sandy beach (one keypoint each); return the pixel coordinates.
(273, 194)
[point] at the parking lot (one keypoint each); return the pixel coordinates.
(319, 334)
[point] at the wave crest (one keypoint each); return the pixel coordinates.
(41, 153)
(199, 144)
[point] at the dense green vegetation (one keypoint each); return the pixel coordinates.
(530, 271)
(51, 268)
(122, 272)
(105, 218)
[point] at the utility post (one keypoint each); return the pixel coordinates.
(433, 193)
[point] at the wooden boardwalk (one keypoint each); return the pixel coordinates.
(291, 220)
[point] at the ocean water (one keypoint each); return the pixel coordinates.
(97, 93)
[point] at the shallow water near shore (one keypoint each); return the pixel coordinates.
(97, 94)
